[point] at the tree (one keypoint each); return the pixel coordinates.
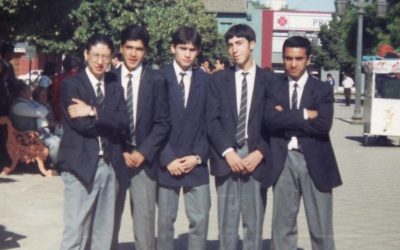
(338, 50)
(61, 26)
(37, 21)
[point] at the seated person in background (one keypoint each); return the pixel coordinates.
(26, 115)
(46, 125)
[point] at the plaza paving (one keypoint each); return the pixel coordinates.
(366, 207)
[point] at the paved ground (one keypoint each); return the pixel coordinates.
(366, 207)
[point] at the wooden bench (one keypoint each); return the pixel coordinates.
(25, 147)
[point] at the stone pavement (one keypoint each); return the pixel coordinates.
(366, 207)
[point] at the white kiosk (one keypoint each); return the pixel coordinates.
(382, 98)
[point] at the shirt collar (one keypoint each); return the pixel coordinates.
(178, 70)
(93, 80)
(301, 82)
(135, 73)
(251, 71)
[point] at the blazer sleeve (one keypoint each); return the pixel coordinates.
(201, 145)
(155, 140)
(114, 117)
(322, 124)
(84, 125)
(216, 134)
(278, 121)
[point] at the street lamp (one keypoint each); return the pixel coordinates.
(381, 12)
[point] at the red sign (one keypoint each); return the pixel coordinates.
(282, 21)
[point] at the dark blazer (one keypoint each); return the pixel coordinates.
(222, 119)
(313, 135)
(79, 147)
(188, 132)
(152, 118)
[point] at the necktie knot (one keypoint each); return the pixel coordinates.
(182, 74)
(295, 85)
(129, 75)
(245, 74)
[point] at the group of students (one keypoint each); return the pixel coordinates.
(156, 133)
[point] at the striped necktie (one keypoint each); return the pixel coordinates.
(182, 86)
(241, 124)
(103, 141)
(129, 103)
(294, 96)
(99, 94)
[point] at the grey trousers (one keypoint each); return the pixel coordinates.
(88, 224)
(293, 183)
(240, 195)
(197, 206)
(143, 193)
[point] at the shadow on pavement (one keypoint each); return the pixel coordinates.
(9, 240)
(6, 180)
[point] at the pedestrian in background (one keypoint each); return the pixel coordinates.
(347, 84)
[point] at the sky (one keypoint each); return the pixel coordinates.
(312, 5)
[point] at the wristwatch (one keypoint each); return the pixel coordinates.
(198, 159)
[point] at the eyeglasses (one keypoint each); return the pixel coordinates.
(96, 57)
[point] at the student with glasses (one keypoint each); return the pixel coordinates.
(94, 117)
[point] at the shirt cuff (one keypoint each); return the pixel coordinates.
(305, 115)
(227, 151)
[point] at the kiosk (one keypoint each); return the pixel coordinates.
(382, 98)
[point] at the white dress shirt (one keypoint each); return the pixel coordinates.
(136, 76)
(187, 79)
(294, 143)
(94, 81)
(250, 78)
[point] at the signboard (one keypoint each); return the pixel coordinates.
(300, 21)
(385, 117)
(30, 52)
(382, 66)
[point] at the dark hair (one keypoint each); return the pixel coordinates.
(184, 35)
(391, 55)
(135, 32)
(49, 69)
(118, 56)
(297, 42)
(20, 86)
(203, 59)
(329, 75)
(240, 30)
(70, 62)
(99, 38)
(37, 91)
(6, 48)
(223, 60)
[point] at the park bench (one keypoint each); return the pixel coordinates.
(26, 147)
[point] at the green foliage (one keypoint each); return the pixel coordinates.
(162, 21)
(62, 26)
(339, 40)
